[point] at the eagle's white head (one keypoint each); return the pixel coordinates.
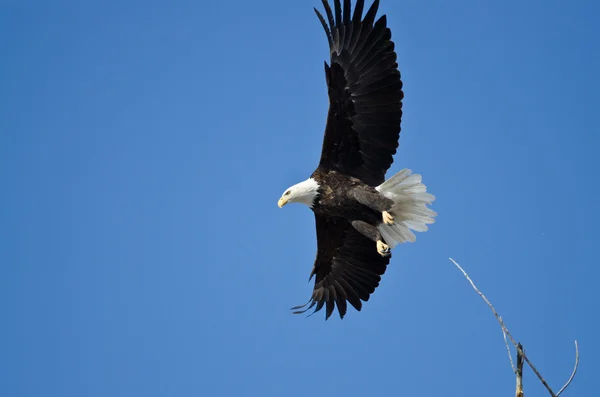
(304, 192)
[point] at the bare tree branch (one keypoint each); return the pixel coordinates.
(518, 346)
(519, 371)
(512, 364)
(574, 370)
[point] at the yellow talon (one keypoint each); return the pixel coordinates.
(383, 249)
(388, 219)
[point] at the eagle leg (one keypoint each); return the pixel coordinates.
(373, 234)
(375, 201)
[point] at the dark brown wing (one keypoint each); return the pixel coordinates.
(347, 268)
(365, 94)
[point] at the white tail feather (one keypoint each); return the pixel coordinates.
(410, 207)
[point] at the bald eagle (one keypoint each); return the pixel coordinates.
(359, 215)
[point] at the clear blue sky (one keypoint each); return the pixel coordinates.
(144, 146)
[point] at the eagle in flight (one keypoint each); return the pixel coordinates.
(359, 215)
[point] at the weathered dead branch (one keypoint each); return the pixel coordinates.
(521, 356)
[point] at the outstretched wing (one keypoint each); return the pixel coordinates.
(365, 93)
(347, 268)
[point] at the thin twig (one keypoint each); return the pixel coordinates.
(505, 330)
(574, 369)
(512, 364)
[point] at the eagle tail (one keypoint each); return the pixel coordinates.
(410, 209)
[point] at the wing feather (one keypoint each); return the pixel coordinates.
(347, 12)
(351, 295)
(338, 12)
(325, 26)
(358, 10)
(347, 268)
(329, 13)
(365, 92)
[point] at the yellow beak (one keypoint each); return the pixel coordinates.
(282, 201)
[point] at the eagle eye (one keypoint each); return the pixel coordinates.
(287, 193)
